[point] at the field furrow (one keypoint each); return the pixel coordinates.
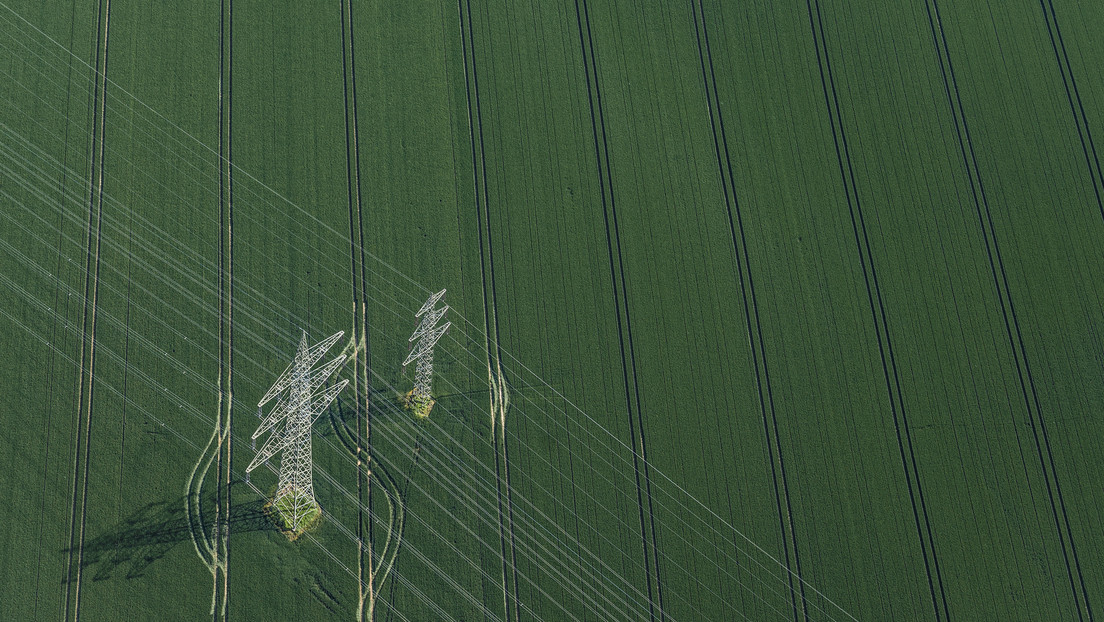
(140, 537)
(621, 307)
(497, 386)
(1046, 297)
(361, 357)
(757, 311)
(752, 316)
(1073, 96)
(223, 422)
(41, 524)
(81, 441)
(1011, 320)
(877, 306)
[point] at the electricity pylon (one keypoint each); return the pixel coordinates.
(299, 405)
(420, 399)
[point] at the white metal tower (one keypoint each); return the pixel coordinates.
(420, 399)
(299, 405)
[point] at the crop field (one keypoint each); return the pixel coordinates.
(759, 310)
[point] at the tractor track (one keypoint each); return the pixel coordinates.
(1073, 96)
(499, 399)
(752, 319)
(880, 318)
(221, 539)
(72, 583)
(193, 505)
(396, 507)
(1016, 342)
(649, 542)
(362, 388)
(401, 496)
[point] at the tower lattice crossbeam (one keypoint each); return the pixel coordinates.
(425, 336)
(301, 403)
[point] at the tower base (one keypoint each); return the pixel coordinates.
(294, 513)
(418, 405)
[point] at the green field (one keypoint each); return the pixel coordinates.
(759, 311)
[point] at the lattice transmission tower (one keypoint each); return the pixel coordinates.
(300, 403)
(420, 398)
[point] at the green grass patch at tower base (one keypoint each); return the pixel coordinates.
(281, 510)
(419, 405)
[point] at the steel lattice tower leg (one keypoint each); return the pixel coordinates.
(420, 399)
(298, 407)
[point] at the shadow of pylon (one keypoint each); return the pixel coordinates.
(151, 532)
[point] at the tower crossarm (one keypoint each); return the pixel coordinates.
(280, 439)
(279, 413)
(300, 402)
(322, 401)
(426, 344)
(428, 322)
(320, 375)
(285, 378)
(429, 303)
(275, 443)
(306, 358)
(290, 404)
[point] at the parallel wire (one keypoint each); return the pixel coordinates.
(139, 339)
(404, 277)
(600, 534)
(200, 327)
(109, 388)
(190, 409)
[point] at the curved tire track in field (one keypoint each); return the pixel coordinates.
(396, 507)
(1011, 321)
(751, 312)
(193, 512)
(207, 545)
(211, 547)
(362, 388)
(223, 456)
(72, 584)
(879, 316)
(1073, 96)
(204, 543)
(401, 494)
(495, 379)
(621, 303)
